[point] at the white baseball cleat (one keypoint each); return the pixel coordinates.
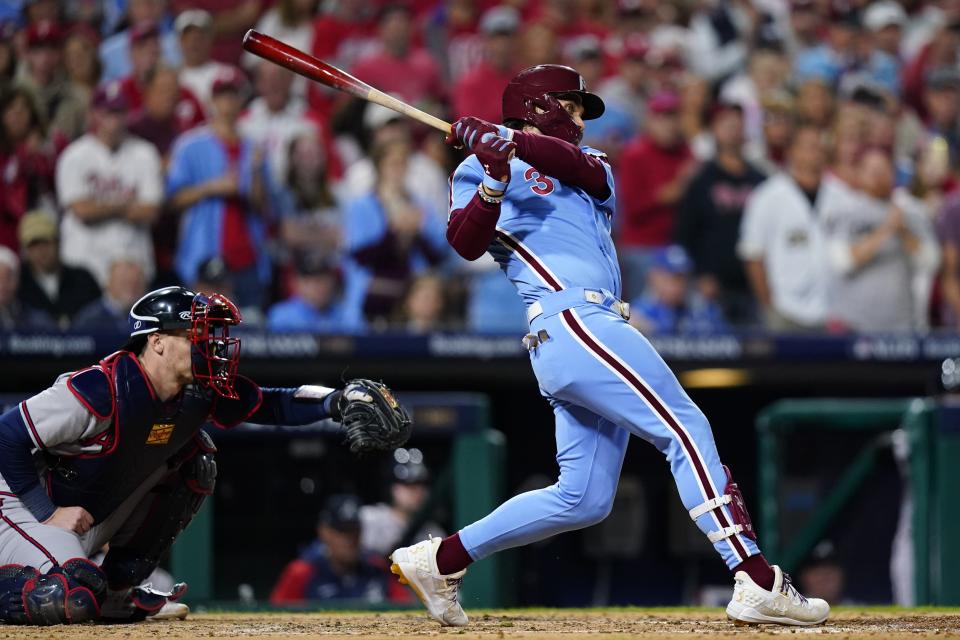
(171, 611)
(752, 604)
(416, 567)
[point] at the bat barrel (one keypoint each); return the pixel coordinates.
(306, 65)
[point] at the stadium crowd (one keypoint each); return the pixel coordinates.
(781, 164)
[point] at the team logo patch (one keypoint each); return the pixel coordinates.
(160, 433)
(185, 315)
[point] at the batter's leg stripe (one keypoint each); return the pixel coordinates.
(28, 538)
(530, 259)
(29, 422)
(653, 401)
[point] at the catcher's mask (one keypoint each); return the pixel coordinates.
(215, 354)
(207, 321)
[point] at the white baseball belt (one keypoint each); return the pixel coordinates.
(590, 295)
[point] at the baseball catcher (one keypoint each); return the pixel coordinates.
(114, 454)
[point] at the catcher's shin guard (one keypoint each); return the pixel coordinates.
(174, 504)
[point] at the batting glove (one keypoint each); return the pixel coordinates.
(494, 153)
(467, 132)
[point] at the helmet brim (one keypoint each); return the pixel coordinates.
(593, 106)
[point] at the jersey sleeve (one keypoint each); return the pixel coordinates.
(292, 584)
(53, 417)
(229, 412)
(364, 224)
(837, 235)
(755, 228)
(150, 183)
(59, 416)
(610, 203)
(70, 178)
(179, 171)
(464, 183)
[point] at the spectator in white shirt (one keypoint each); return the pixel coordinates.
(195, 30)
(424, 176)
(289, 21)
(110, 186)
(781, 240)
(876, 243)
(275, 118)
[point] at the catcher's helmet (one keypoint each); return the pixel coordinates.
(207, 319)
(531, 97)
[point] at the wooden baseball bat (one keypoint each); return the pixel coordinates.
(310, 67)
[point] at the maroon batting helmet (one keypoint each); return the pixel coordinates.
(531, 97)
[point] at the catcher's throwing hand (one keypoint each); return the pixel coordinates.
(372, 418)
(469, 132)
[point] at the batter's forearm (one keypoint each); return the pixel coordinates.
(471, 229)
(565, 162)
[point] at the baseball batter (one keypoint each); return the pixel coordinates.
(543, 205)
(114, 454)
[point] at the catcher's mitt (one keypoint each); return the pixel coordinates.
(372, 418)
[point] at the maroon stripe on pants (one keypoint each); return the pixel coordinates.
(530, 259)
(664, 414)
(27, 536)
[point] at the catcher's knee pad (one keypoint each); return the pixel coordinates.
(174, 505)
(69, 593)
(738, 510)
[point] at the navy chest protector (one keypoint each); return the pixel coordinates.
(145, 434)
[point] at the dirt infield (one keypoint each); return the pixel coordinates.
(540, 625)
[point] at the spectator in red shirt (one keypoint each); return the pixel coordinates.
(653, 174)
(400, 68)
(27, 163)
(340, 36)
(345, 33)
(166, 110)
(144, 57)
(479, 91)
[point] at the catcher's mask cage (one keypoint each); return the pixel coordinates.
(215, 354)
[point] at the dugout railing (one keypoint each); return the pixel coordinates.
(932, 431)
